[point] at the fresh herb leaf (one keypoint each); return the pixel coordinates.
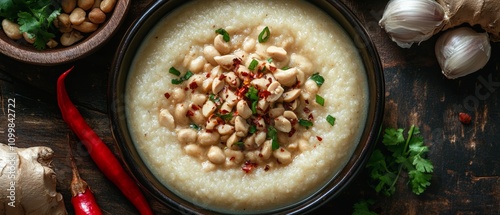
(183, 78)
(363, 208)
(264, 35)
(407, 155)
(34, 18)
(194, 126)
(330, 119)
(305, 123)
(252, 94)
(225, 117)
(253, 64)
(252, 129)
(320, 100)
(214, 98)
(254, 107)
(272, 134)
(174, 71)
(318, 79)
(224, 34)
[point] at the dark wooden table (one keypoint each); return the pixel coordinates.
(466, 177)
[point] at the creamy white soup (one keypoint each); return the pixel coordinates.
(245, 106)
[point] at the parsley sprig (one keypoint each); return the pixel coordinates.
(407, 155)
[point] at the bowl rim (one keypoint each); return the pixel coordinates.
(371, 131)
(90, 44)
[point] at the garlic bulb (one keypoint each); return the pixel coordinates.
(462, 51)
(409, 21)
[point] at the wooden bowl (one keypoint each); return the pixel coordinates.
(27, 53)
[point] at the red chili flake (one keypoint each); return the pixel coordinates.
(464, 118)
(291, 133)
(310, 117)
(264, 94)
(287, 106)
(224, 111)
(248, 166)
(167, 95)
(232, 158)
(282, 150)
(260, 155)
(207, 75)
(236, 62)
(307, 101)
(221, 77)
(306, 110)
(294, 122)
(189, 113)
(186, 88)
(195, 107)
(244, 74)
(267, 168)
(241, 92)
(193, 85)
(297, 85)
(272, 68)
(319, 138)
(209, 130)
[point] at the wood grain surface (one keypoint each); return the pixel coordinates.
(466, 177)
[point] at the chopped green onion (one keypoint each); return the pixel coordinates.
(214, 98)
(253, 64)
(174, 71)
(330, 119)
(320, 100)
(224, 34)
(183, 78)
(225, 117)
(264, 35)
(269, 60)
(254, 107)
(272, 134)
(285, 68)
(305, 123)
(252, 94)
(252, 129)
(194, 126)
(318, 79)
(240, 144)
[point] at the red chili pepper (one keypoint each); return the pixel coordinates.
(82, 199)
(100, 153)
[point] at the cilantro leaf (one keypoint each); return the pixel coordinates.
(407, 155)
(34, 18)
(363, 208)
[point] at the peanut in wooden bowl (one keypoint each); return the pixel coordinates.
(27, 53)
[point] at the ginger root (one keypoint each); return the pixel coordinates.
(28, 182)
(485, 13)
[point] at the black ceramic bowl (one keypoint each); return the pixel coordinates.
(130, 44)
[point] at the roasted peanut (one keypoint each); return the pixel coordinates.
(96, 16)
(216, 155)
(283, 155)
(77, 16)
(187, 135)
(210, 52)
(221, 45)
(277, 53)
(208, 138)
(86, 27)
(71, 38)
(68, 5)
(107, 5)
(85, 4)
(11, 29)
(193, 150)
(166, 119)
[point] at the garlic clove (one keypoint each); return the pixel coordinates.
(462, 51)
(410, 21)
